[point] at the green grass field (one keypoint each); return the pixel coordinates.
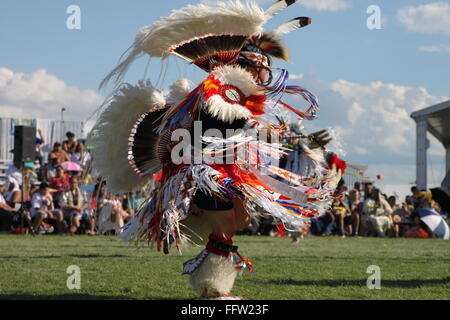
(317, 268)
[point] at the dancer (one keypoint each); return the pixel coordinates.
(214, 147)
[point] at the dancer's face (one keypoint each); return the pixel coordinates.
(258, 72)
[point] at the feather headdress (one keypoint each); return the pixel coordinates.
(201, 34)
(270, 44)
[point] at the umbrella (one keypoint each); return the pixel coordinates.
(71, 166)
(435, 222)
(442, 196)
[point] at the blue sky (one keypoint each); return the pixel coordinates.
(369, 81)
(337, 45)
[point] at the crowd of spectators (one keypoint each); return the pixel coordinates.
(62, 194)
(360, 212)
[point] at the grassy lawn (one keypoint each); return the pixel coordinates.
(317, 268)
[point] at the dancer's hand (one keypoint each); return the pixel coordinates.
(319, 139)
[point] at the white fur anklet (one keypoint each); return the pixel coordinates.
(214, 278)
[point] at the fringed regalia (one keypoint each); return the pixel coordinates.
(145, 132)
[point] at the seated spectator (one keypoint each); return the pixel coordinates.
(58, 153)
(55, 158)
(6, 212)
(355, 205)
(42, 209)
(376, 214)
(418, 229)
(15, 171)
(411, 198)
(341, 212)
(60, 183)
(74, 148)
(130, 203)
(399, 215)
(323, 225)
(75, 205)
(13, 194)
(111, 214)
(368, 186)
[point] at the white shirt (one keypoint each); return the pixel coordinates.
(15, 173)
(63, 200)
(2, 199)
(38, 201)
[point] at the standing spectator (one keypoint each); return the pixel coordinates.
(6, 212)
(73, 147)
(377, 212)
(74, 203)
(42, 209)
(40, 142)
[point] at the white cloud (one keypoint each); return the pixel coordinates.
(379, 113)
(435, 49)
(42, 95)
(296, 76)
(431, 18)
(325, 5)
(374, 122)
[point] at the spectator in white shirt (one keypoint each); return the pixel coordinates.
(13, 194)
(75, 205)
(42, 208)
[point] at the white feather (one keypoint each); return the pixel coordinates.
(110, 135)
(224, 111)
(288, 27)
(232, 17)
(179, 90)
(276, 8)
(238, 77)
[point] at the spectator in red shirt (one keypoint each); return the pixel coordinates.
(60, 183)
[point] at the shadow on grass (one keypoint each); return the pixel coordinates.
(72, 296)
(97, 256)
(89, 256)
(411, 283)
